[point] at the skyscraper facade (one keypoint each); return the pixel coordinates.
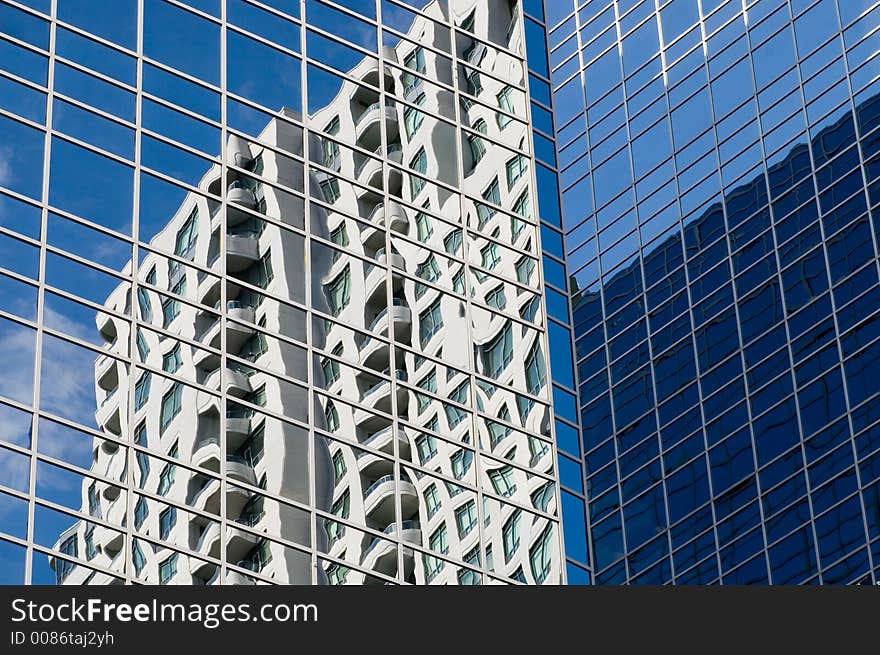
(716, 163)
(271, 296)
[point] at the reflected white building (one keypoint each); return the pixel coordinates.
(338, 369)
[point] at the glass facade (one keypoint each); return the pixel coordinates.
(271, 295)
(716, 163)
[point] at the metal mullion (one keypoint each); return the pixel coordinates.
(312, 401)
(27, 45)
(103, 77)
(242, 31)
(785, 322)
(582, 117)
(197, 81)
(158, 136)
(728, 261)
(23, 120)
(93, 110)
(385, 96)
(202, 193)
(38, 336)
(687, 290)
(198, 12)
(78, 561)
(79, 259)
(835, 309)
(170, 104)
(133, 289)
(85, 222)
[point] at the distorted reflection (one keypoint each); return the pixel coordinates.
(339, 314)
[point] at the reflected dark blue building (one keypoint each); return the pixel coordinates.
(718, 174)
(734, 436)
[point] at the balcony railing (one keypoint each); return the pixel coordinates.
(395, 302)
(238, 459)
(399, 374)
(251, 520)
(245, 234)
(374, 438)
(377, 210)
(249, 565)
(390, 106)
(207, 441)
(411, 524)
(378, 483)
(239, 412)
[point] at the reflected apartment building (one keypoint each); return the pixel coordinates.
(331, 367)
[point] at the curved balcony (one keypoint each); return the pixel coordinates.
(106, 326)
(111, 492)
(374, 286)
(383, 441)
(378, 396)
(390, 214)
(107, 415)
(238, 578)
(238, 195)
(206, 454)
(207, 360)
(374, 237)
(373, 353)
(106, 372)
(239, 542)
(207, 499)
(381, 554)
(393, 259)
(210, 337)
(242, 250)
(110, 540)
(238, 427)
(238, 152)
(399, 315)
(379, 499)
(235, 383)
(393, 153)
(369, 173)
(109, 447)
(207, 403)
(201, 570)
(237, 333)
(236, 499)
(208, 545)
(369, 71)
(240, 469)
(374, 466)
(369, 422)
(209, 285)
(368, 130)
